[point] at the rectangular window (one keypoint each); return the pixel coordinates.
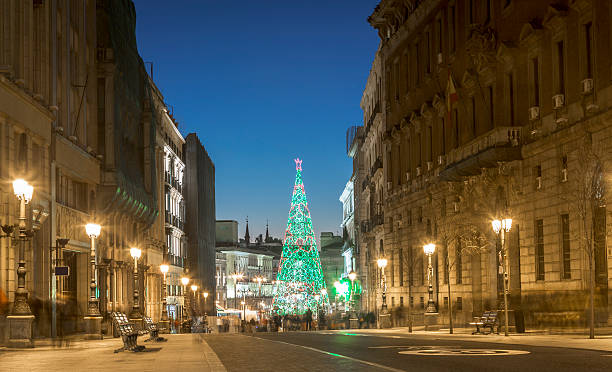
(451, 27)
(474, 116)
(417, 53)
(411, 301)
(401, 266)
(446, 302)
(510, 85)
(565, 246)
(421, 271)
(539, 249)
(411, 267)
(428, 53)
(401, 301)
(439, 35)
(588, 49)
(488, 10)
(560, 68)
(535, 82)
(491, 101)
(445, 263)
(459, 303)
(458, 263)
(392, 301)
(456, 126)
(422, 302)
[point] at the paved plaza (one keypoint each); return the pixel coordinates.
(351, 350)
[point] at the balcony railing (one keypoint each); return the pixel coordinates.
(174, 221)
(498, 145)
(377, 219)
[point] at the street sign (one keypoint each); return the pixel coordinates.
(62, 270)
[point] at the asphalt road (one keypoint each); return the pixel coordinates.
(301, 351)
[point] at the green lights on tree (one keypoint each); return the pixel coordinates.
(300, 275)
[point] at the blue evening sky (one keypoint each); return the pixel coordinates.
(263, 82)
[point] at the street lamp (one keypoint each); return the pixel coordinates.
(429, 250)
(501, 227)
(184, 282)
(382, 263)
(21, 318)
(205, 294)
(236, 276)
(93, 319)
(194, 288)
(135, 253)
(164, 318)
(243, 303)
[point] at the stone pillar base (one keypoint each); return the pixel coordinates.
(384, 320)
(93, 327)
(431, 321)
(20, 331)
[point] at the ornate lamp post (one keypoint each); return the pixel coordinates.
(93, 319)
(243, 303)
(165, 322)
(384, 316)
(135, 316)
(184, 282)
(21, 318)
(500, 227)
(429, 250)
(194, 288)
(205, 294)
(353, 321)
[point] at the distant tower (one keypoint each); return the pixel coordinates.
(267, 234)
(247, 237)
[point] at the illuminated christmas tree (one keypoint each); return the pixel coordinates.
(300, 282)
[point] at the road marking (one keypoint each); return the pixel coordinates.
(464, 352)
(336, 355)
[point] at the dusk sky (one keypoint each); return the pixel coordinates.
(264, 82)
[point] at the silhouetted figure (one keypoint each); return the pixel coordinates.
(308, 318)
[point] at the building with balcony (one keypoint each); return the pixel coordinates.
(348, 228)
(488, 109)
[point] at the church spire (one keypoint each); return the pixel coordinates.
(247, 237)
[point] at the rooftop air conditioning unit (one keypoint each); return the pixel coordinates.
(418, 171)
(587, 86)
(558, 101)
(534, 113)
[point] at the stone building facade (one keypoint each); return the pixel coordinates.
(481, 109)
(82, 121)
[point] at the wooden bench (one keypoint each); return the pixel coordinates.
(128, 333)
(153, 330)
(487, 320)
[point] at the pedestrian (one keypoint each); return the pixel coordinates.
(308, 319)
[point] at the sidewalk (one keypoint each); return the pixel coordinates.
(578, 339)
(183, 352)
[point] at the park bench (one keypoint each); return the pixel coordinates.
(487, 320)
(153, 330)
(128, 333)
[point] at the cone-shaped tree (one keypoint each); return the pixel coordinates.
(300, 276)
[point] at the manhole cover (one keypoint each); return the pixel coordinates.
(463, 352)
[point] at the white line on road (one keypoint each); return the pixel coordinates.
(337, 355)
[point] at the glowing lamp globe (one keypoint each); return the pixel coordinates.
(23, 190)
(497, 225)
(135, 252)
(205, 294)
(382, 263)
(429, 249)
(164, 268)
(185, 280)
(194, 287)
(352, 275)
(507, 224)
(93, 230)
